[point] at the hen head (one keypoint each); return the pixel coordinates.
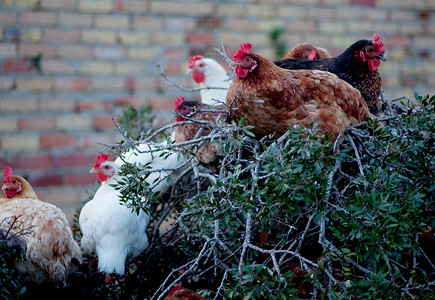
(199, 68)
(373, 53)
(104, 169)
(243, 61)
(12, 185)
(184, 108)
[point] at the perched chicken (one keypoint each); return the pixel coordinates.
(44, 228)
(181, 293)
(110, 229)
(307, 51)
(358, 65)
(203, 114)
(208, 73)
(153, 161)
(272, 98)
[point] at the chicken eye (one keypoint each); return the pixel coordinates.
(106, 167)
(248, 59)
(201, 65)
(370, 49)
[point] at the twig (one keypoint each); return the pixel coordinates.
(358, 159)
(246, 240)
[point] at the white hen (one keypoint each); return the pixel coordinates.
(109, 228)
(170, 163)
(209, 73)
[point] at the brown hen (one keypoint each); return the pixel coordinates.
(180, 293)
(357, 65)
(50, 243)
(272, 99)
(307, 51)
(202, 115)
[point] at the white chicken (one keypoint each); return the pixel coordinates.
(167, 161)
(44, 228)
(209, 73)
(111, 229)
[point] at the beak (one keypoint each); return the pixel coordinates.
(4, 187)
(381, 57)
(234, 64)
(94, 170)
(189, 71)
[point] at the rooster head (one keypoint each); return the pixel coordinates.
(198, 67)
(243, 61)
(11, 184)
(104, 169)
(373, 53)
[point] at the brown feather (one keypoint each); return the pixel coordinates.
(50, 243)
(302, 51)
(186, 131)
(273, 99)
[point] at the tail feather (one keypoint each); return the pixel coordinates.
(111, 261)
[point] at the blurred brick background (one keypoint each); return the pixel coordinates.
(100, 55)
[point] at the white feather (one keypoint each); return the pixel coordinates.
(111, 230)
(215, 76)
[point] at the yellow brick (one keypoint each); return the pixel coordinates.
(6, 83)
(18, 105)
(20, 142)
(128, 69)
(233, 10)
(73, 122)
(96, 36)
(144, 53)
(96, 68)
(332, 27)
(112, 21)
(181, 8)
(268, 26)
(147, 22)
(8, 3)
(31, 34)
(96, 5)
(166, 38)
(7, 50)
(35, 84)
(8, 124)
(26, 3)
(261, 11)
(130, 38)
(58, 4)
(232, 38)
(8, 18)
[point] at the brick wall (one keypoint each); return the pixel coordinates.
(99, 55)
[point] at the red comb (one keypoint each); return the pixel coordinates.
(193, 59)
(7, 175)
(177, 102)
(100, 159)
(244, 48)
(377, 41)
(312, 55)
(175, 288)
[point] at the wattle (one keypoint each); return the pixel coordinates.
(179, 119)
(199, 78)
(241, 72)
(101, 177)
(10, 193)
(374, 64)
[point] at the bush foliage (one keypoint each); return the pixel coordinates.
(301, 216)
